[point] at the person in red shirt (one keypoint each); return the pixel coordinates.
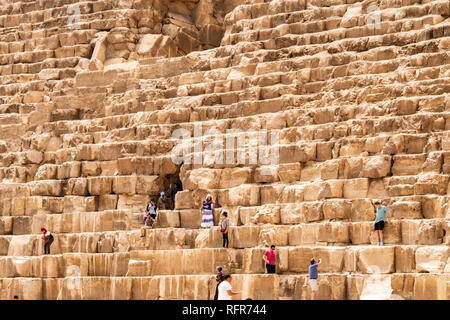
(48, 240)
(269, 258)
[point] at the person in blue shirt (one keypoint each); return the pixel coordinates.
(380, 220)
(313, 275)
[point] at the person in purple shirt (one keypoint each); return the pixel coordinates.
(313, 275)
(219, 279)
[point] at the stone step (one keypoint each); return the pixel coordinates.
(167, 235)
(360, 259)
(256, 287)
(427, 104)
(328, 13)
(339, 27)
(315, 143)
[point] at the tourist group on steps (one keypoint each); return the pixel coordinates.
(224, 290)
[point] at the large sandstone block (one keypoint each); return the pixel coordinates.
(333, 233)
(337, 209)
(332, 169)
(353, 167)
(76, 186)
(310, 171)
(4, 246)
(252, 260)
(431, 183)
(299, 259)
(107, 202)
(261, 175)
(351, 259)
(244, 195)
(407, 164)
(124, 184)
(244, 236)
(209, 238)
(21, 225)
(356, 188)
(430, 287)
(233, 177)
(376, 167)
(135, 202)
(95, 78)
(431, 259)
(291, 213)
(46, 188)
(303, 234)
(260, 215)
(332, 258)
(6, 225)
(406, 210)
(362, 210)
(21, 246)
(270, 194)
(434, 206)
(89, 152)
(289, 172)
(18, 206)
(405, 258)
(52, 222)
(7, 269)
(183, 200)
(273, 235)
(376, 259)
(168, 219)
(26, 289)
(191, 219)
(202, 178)
(51, 266)
(80, 204)
(99, 185)
(151, 185)
(312, 211)
(256, 287)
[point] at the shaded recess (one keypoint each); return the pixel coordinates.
(159, 28)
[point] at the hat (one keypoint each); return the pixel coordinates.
(162, 193)
(208, 195)
(42, 229)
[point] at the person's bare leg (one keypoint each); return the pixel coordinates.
(313, 295)
(381, 236)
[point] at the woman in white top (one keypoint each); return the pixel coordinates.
(225, 289)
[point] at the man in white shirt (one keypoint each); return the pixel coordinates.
(225, 289)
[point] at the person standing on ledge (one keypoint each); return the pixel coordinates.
(163, 202)
(379, 221)
(48, 240)
(219, 279)
(225, 289)
(313, 275)
(207, 211)
(224, 228)
(173, 192)
(269, 258)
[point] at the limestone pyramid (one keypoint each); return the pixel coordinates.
(92, 92)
